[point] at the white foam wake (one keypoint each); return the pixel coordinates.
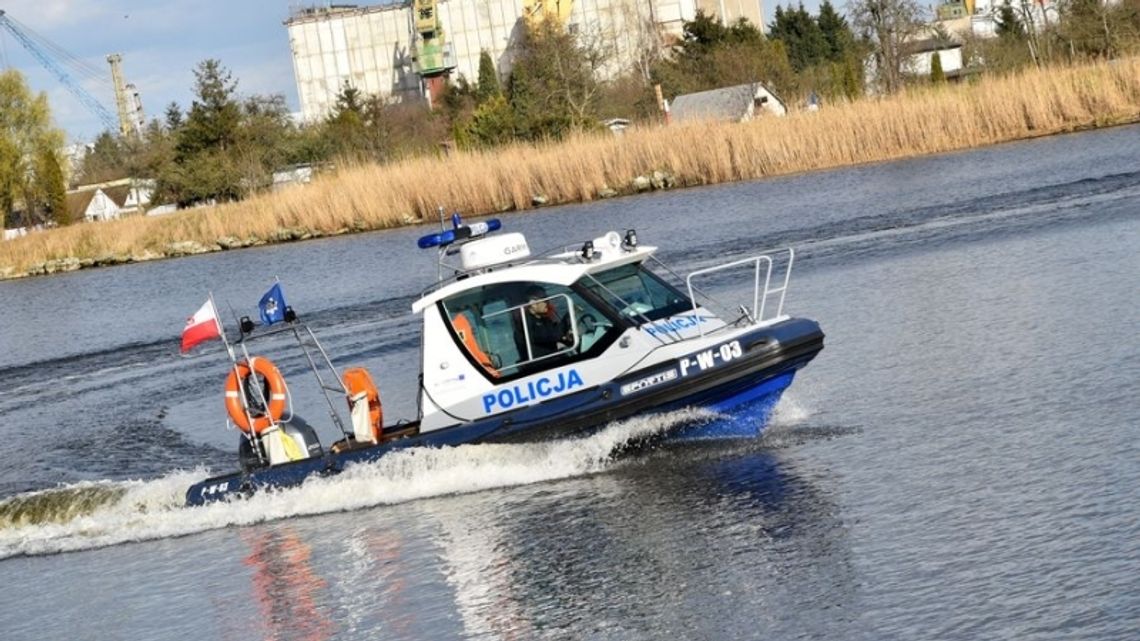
(154, 509)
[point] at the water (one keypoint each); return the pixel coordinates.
(960, 462)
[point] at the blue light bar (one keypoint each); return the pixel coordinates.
(461, 232)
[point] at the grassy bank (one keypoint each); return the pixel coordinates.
(591, 166)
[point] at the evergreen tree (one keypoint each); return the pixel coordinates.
(345, 128)
(1008, 25)
(711, 56)
(51, 186)
(488, 86)
(215, 113)
(173, 116)
(802, 36)
(492, 123)
(105, 160)
(204, 168)
(937, 76)
(836, 32)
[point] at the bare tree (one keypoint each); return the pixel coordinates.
(888, 25)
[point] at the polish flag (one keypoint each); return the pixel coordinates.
(201, 327)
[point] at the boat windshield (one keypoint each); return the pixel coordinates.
(637, 293)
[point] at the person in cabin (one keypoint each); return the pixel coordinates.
(543, 326)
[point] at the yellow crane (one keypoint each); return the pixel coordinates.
(538, 10)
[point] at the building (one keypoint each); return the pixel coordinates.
(980, 17)
(371, 47)
(733, 104)
(108, 201)
(920, 57)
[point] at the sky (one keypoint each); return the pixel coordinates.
(161, 42)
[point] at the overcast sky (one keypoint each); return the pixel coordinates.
(161, 42)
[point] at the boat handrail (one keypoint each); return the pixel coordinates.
(759, 298)
(295, 329)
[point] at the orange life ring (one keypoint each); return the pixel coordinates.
(278, 395)
(357, 380)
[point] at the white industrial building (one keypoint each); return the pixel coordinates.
(370, 47)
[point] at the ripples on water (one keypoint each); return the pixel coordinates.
(958, 463)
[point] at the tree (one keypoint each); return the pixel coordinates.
(937, 76)
(711, 55)
(1097, 29)
(887, 24)
(553, 86)
(173, 116)
(50, 185)
(488, 86)
(1007, 25)
(836, 33)
(106, 159)
(801, 35)
(203, 168)
(215, 114)
(30, 175)
(344, 127)
(262, 141)
(492, 123)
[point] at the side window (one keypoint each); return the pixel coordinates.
(516, 328)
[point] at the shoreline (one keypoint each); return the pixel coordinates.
(586, 167)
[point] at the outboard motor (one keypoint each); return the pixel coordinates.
(287, 441)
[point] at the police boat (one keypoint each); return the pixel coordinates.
(518, 347)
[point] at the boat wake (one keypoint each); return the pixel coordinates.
(99, 514)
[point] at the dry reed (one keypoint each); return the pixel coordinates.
(922, 121)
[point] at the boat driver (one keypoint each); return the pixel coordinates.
(543, 326)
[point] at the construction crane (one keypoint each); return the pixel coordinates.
(539, 10)
(432, 59)
(46, 52)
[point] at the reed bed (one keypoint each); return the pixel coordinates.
(588, 166)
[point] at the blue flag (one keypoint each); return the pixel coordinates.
(272, 305)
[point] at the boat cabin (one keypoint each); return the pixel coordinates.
(511, 333)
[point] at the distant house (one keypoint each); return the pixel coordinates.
(107, 201)
(295, 175)
(734, 104)
(617, 126)
(920, 55)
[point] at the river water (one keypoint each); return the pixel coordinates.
(960, 462)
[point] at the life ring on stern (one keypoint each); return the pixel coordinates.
(278, 395)
(357, 380)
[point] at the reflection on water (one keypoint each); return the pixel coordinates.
(284, 586)
(633, 552)
(628, 553)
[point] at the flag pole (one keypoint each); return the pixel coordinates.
(222, 330)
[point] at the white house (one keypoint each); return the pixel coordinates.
(107, 201)
(734, 104)
(920, 56)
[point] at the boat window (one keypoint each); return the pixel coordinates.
(518, 328)
(637, 293)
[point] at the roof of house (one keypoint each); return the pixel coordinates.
(77, 202)
(726, 103)
(118, 193)
(928, 45)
